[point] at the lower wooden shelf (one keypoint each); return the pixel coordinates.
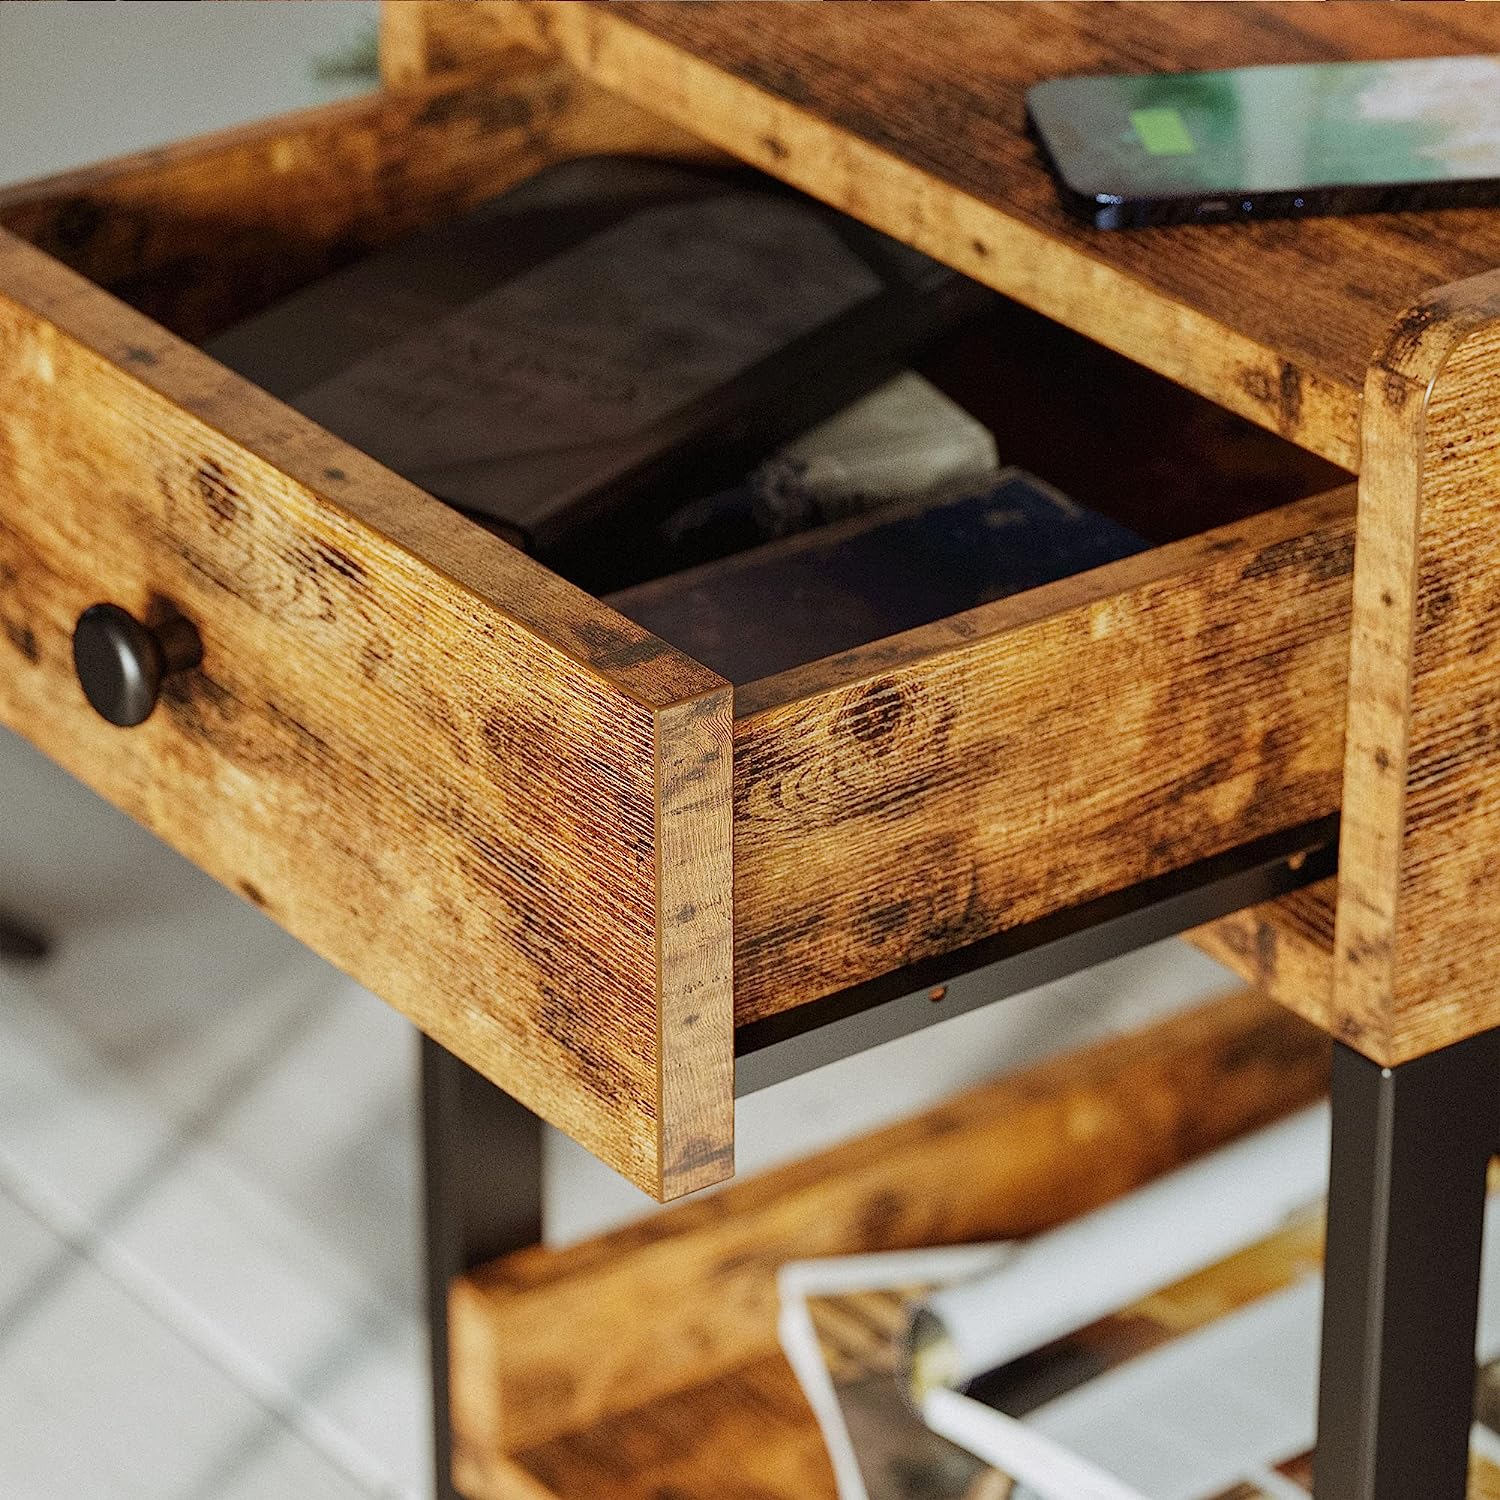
(747, 1435)
(644, 1364)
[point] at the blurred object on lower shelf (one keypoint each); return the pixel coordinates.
(904, 442)
(1202, 1389)
(646, 1361)
(806, 597)
(20, 940)
(1177, 1225)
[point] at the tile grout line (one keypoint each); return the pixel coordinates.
(179, 1137)
(183, 1137)
(184, 1322)
(86, 1236)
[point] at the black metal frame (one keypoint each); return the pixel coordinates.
(810, 1036)
(1411, 1150)
(482, 1159)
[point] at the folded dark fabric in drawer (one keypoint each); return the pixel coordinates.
(825, 591)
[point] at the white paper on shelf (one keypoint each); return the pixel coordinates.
(1070, 1277)
(1202, 1412)
(1223, 1405)
(1218, 1407)
(1027, 1455)
(840, 1276)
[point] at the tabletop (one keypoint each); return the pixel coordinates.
(911, 116)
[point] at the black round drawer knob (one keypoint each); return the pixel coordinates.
(121, 664)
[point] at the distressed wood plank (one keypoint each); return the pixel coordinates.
(910, 117)
(919, 794)
(746, 1435)
(1419, 887)
(1284, 948)
(404, 56)
(544, 1342)
(460, 779)
(750, 1435)
(695, 941)
(206, 231)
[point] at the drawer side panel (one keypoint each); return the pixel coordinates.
(203, 232)
(933, 789)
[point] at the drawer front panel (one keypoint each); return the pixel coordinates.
(470, 786)
(928, 791)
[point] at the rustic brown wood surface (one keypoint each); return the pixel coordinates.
(544, 1342)
(747, 1435)
(378, 166)
(468, 784)
(403, 44)
(206, 231)
(1284, 948)
(924, 792)
(1419, 886)
(910, 117)
(1411, 969)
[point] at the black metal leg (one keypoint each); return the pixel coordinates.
(1411, 1146)
(483, 1165)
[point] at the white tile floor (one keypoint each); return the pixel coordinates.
(209, 1275)
(209, 1281)
(208, 1257)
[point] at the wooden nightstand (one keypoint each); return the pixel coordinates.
(594, 873)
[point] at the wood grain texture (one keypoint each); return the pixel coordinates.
(919, 794)
(207, 231)
(750, 1432)
(544, 1341)
(746, 1435)
(1284, 948)
(471, 786)
(695, 941)
(750, 1435)
(911, 118)
(1419, 887)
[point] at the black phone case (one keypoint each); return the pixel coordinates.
(1103, 211)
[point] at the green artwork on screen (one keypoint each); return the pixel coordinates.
(1162, 132)
(1270, 129)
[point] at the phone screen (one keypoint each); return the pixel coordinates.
(1272, 130)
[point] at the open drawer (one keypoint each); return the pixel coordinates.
(503, 807)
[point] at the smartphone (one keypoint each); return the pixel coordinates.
(1252, 143)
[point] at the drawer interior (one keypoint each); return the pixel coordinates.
(914, 794)
(1114, 435)
(202, 236)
